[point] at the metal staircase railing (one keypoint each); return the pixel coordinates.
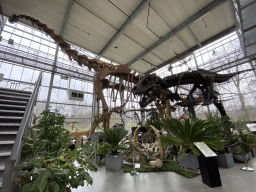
(12, 161)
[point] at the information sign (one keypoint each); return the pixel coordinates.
(207, 152)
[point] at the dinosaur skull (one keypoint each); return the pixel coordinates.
(149, 88)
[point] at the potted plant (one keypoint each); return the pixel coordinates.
(247, 140)
(114, 140)
(185, 133)
(240, 155)
(224, 158)
(48, 163)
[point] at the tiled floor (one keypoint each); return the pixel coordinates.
(233, 180)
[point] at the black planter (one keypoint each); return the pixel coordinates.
(114, 161)
(225, 160)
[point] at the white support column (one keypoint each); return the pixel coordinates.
(62, 29)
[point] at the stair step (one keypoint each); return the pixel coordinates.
(8, 132)
(15, 90)
(9, 124)
(5, 153)
(6, 142)
(11, 113)
(14, 93)
(10, 117)
(12, 107)
(13, 102)
(13, 97)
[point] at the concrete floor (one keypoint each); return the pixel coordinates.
(233, 180)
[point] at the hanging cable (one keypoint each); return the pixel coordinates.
(147, 22)
(119, 8)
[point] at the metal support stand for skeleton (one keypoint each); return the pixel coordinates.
(246, 168)
(134, 172)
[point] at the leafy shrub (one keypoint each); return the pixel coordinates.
(47, 163)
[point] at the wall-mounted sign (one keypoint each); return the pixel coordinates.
(207, 152)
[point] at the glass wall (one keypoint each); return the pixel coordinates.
(24, 51)
(223, 56)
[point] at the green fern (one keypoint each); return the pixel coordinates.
(184, 134)
(114, 138)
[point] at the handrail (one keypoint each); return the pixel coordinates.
(16, 150)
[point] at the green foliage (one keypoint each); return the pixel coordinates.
(184, 134)
(167, 166)
(102, 149)
(248, 139)
(47, 162)
(153, 119)
(238, 151)
(223, 123)
(114, 138)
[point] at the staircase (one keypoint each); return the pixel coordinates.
(12, 108)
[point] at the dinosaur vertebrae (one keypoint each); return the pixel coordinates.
(96, 64)
(65, 47)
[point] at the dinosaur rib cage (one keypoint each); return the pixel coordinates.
(118, 86)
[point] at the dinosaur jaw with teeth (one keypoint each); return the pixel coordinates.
(146, 99)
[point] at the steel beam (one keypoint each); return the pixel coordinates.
(3, 19)
(239, 24)
(65, 18)
(62, 29)
(182, 26)
(193, 34)
(135, 13)
(191, 50)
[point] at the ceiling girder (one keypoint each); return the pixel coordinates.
(176, 30)
(191, 50)
(65, 18)
(129, 20)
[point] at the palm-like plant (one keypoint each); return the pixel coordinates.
(114, 138)
(222, 122)
(184, 134)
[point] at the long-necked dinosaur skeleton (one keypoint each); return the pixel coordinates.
(105, 77)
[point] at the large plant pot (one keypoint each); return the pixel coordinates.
(231, 149)
(225, 160)
(96, 160)
(114, 161)
(189, 161)
(240, 158)
(253, 151)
